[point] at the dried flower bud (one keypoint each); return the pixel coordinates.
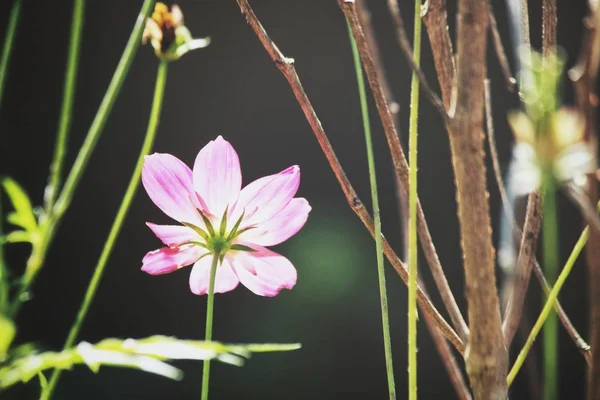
(168, 35)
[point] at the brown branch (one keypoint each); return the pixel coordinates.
(511, 82)
(531, 230)
(401, 166)
(581, 345)
(454, 371)
(487, 358)
(402, 38)
(365, 18)
(286, 67)
(549, 22)
(435, 19)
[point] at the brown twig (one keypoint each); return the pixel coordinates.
(525, 261)
(286, 67)
(487, 358)
(435, 19)
(511, 82)
(365, 18)
(402, 38)
(454, 371)
(401, 166)
(584, 76)
(549, 22)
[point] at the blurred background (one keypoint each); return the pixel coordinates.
(232, 88)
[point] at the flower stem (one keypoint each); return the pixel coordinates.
(412, 210)
(118, 222)
(385, 319)
(67, 105)
(15, 13)
(49, 224)
(551, 257)
(550, 302)
(210, 305)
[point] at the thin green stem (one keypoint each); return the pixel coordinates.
(412, 210)
(210, 305)
(550, 303)
(551, 259)
(9, 41)
(67, 105)
(49, 224)
(385, 319)
(134, 182)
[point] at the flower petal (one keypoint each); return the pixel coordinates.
(217, 175)
(265, 197)
(173, 235)
(225, 280)
(263, 271)
(168, 182)
(281, 227)
(167, 259)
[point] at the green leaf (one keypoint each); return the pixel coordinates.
(7, 334)
(23, 215)
(16, 237)
(147, 354)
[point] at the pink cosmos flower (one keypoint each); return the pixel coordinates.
(218, 217)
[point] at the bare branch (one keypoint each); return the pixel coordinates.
(402, 38)
(435, 19)
(286, 67)
(487, 359)
(511, 82)
(401, 166)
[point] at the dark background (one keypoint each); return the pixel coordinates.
(233, 88)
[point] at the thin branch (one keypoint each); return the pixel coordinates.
(487, 359)
(549, 22)
(401, 166)
(365, 18)
(511, 82)
(402, 38)
(435, 19)
(531, 230)
(286, 67)
(581, 345)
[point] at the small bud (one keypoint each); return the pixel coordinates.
(168, 35)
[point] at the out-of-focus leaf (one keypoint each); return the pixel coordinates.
(23, 215)
(147, 355)
(7, 334)
(16, 237)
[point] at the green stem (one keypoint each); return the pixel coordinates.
(550, 303)
(67, 105)
(15, 13)
(210, 305)
(385, 319)
(551, 259)
(49, 224)
(118, 222)
(412, 210)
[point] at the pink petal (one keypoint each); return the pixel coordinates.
(263, 271)
(267, 196)
(225, 280)
(281, 227)
(168, 182)
(217, 175)
(173, 235)
(167, 259)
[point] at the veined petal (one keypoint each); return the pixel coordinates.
(265, 197)
(217, 175)
(225, 280)
(173, 235)
(281, 227)
(168, 182)
(167, 259)
(263, 271)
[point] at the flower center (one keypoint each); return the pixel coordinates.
(218, 244)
